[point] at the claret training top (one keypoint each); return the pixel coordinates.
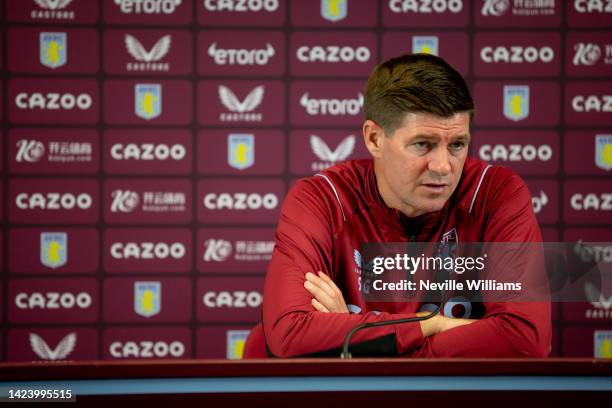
(324, 220)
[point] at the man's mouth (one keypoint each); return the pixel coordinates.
(435, 187)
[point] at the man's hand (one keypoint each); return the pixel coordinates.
(327, 296)
(439, 324)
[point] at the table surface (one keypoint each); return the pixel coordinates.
(311, 375)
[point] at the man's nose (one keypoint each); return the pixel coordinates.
(439, 162)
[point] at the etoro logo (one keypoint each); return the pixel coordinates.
(586, 54)
(539, 202)
(29, 151)
(333, 53)
(241, 56)
(329, 157)
(495, 7)
(61, 350)
(332, 107)
(426, 6)
(146, 349)
(124, 201)
(147, 60)
(241, 6)
(217, 250)
(147, 250)
(241, 110)
(592, 103)
(147, 6)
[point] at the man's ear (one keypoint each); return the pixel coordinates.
(373, 136)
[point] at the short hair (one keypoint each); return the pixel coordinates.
(414, 83)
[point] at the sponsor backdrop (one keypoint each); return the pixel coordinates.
(147, 146)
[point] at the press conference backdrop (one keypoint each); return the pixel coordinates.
(147, 146)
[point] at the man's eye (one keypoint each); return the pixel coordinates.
(422, 145)
(457, 145)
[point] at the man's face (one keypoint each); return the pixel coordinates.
(418, 167)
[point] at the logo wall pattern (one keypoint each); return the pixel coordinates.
(147, 146)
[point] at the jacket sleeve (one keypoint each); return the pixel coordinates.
(304, 243)
(508, 329)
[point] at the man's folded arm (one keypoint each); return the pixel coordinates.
(509, 329)
(291, 325)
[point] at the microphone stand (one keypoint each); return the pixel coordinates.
(345, 347)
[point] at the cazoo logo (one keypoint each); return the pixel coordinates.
(240, 201)
(148, 151)
(147, 250)
(517, 54)
(53, 201)
(425, 6)
(333, 54)
(53, 101)
(146, 349)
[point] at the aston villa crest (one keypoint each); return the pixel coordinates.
(516, 102)
(334, 10)
(147, 298)
(53, 249)
(148, 100)
(235, 343)
(53, 49)
(603, 151)
(240, 150)
(425, 44)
